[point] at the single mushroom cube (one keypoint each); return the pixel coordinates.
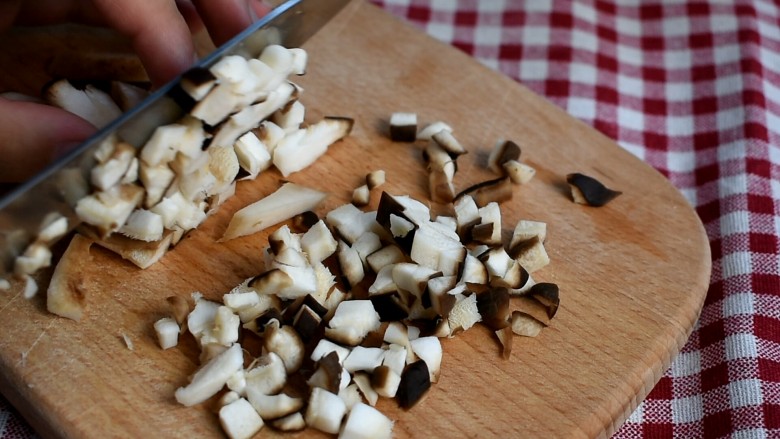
(240, 420)
(366, 422)
(403, 127)
(167, 332)
(325, 411)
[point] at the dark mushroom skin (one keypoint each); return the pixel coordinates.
(593, 191)
(547, 294)
(493, 306)
(415, 382)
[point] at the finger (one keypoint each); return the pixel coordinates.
(224, 19)
(35, 134)
(46, 12)
(158, 32)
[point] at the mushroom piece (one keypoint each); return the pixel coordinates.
(325, 347)
(197, 82)
(267, 375)
(493, 306)
(36, 256)
(531, 255)
(143, 225)
(53, 227)
(142, 254)
(488, 231)
(363, 359)
(65, 294)
(464, 314)
(547, 294)
(273, 406)
(427, 132)
(350, 263)
(387, 255)
(325, 411)
(497, 190)
(108, 210)
(304, 149)
(403, 127)
(363, 382)
(284, 342)
(502, 152)
(109, 172)
(525, 324)
(519, 173)
(286, 202)
(253, 156)
(240, 420)
(30, 287)
(361, 196)
(167, 332)
(375, 179)
(504, 336)
(366, 422)
(449, 143)
(589, 191)
(415, 382)
(291, 422)
(352, 321)
(90, 103)
(429, 350)
(328, 373)
(211, 377)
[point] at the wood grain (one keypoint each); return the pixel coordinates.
(633, 274)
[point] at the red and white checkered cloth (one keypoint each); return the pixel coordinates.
(693, 89)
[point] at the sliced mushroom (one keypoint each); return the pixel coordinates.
(415, 383)
(211, 377)
(375, 179)
(90, 103)
(502, 152)
(525, 324)
(427, 132)
(429, 350)
(289, 200)
(519, 173)
(268, 374)
(493, 306)
(271, 407)
(286, 343)
(291, 422)
(306, 148)
(65, 294)
(363, 359)
(361, 196)
(497, 190)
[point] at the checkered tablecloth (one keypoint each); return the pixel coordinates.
(693, 89)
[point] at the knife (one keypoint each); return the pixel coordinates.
(57, 188)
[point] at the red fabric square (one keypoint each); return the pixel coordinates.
(717, 423)
(662, 390)
(767, 328)
(651, 11)
(760, 203)
(766, 284)
(769, 370)
(657, 430)
(762, 243)
(419, 13)
(712, 333)
(714, 377)
(772, 415)
(465, 18)
(510, 51)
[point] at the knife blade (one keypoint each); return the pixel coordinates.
(56, 189)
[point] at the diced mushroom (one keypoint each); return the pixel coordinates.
(53, 227)
(273, 406)
(519, 173)
(464, 314)
(252, 154)
(504, 336)
(30, 286)
(108, 210)
(284, 342)
(387, 255)
(325, 411)
(293, 156)
(403, 127)
(268, 375)
(291, 422)
(587, 190)
(502, 152)
(109, 173)
(415, 383)
(449, 143)
(197, 82)
(361, 195)
(375, 179)
(493, 306)
(363, 382)
(35, 257)
(239, 419)
(427, 132)
(353, 320)
(167, 332)
(363, 359)
(429, 350)
(366, 422)
(143, 225)
(210, 378)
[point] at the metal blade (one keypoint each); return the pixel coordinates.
(57, 188)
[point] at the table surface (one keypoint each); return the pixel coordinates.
(693, 89)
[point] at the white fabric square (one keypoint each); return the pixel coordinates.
(738, 304)
(736, 264)
(732, 151)
(678, 59)
(487, 36)
(629, 55)
(630, 85)
(726, 53)
(676, 26)
(734, 222)
(584, 40)
(628, 26)
(729, 84)
(581, 108)
(630, 118)
(444, 5)
(582, 11)
(769, 59)
(723, 23)
(745, 393)
(690, 195)
(536, 36)
(678, 91)
(730, 118)
(753, 433)
(533, 70)
(740, 346)
(679, 125)
(638, 415)
(583, 73)
(681, 161)
(766, 7)
(768, 30)
(639, 151)
(734, 185)
(773, 123)
(686, 364)
(441, 31)
(491, 6)
(687, 410)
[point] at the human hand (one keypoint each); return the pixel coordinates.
(32, 134)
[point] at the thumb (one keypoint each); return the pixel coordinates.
(33, 135)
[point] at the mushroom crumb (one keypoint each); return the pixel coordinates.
(589, 191)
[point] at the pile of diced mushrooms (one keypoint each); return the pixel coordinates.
(349, 307)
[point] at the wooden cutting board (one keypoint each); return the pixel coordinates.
(633, 274)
